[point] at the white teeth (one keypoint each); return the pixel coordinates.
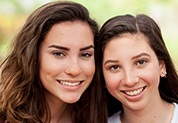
(69, 83)
(135, 92)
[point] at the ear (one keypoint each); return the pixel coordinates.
(162, 68)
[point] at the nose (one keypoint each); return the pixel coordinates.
(130, 78)
(73, 68)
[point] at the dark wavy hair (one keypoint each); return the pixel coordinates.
(21, 92)
(145, 25)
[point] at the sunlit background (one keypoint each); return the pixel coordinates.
(14, 12)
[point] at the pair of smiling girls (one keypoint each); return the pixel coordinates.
(60, 69)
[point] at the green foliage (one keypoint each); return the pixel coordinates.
(13, 13)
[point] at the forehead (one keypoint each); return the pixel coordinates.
(131, 38)
(69, 30)
(131, 44)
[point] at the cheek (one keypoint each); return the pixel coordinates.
(112, 84)
(112, 80)
(51, 67)
(46, 63)
(88, 69)
(151, 77)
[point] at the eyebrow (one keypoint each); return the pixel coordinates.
(59, 47)
(111, 61)
(87, 47)
(141, 54)
(135, 57)
(67, 49)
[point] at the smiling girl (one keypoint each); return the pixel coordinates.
(48, 76)
(138, 71)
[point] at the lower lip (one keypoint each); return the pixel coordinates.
(136, 97)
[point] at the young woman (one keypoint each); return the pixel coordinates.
(137, 71)
(47, 78)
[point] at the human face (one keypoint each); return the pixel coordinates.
(132, 71)
(67, 61)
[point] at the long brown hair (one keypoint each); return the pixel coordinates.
(21, 93)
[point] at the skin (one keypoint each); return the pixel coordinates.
(132, 74)
(66, 64)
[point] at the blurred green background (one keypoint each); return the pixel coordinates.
(14, 12)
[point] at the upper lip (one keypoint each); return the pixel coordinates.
(132, 89)
(134, 92)
(72, 81)
(69, 83)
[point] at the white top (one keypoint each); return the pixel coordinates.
(115, 118)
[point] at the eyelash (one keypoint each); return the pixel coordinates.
(138, 63)
(83, 55)
(141, 62)
(58, 54)
(114, 68)
(86, 54)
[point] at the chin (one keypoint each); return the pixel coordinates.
(136, 107)
(72, 100)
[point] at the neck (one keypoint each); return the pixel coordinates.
(59, 113)
(59, 110)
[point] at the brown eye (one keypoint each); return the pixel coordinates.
(114, 68)
(141, 62)
(86, 54)
(58, 54)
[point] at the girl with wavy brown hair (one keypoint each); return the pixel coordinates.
(48, 76)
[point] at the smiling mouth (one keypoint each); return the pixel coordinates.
(67, 83)
(134, 92)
